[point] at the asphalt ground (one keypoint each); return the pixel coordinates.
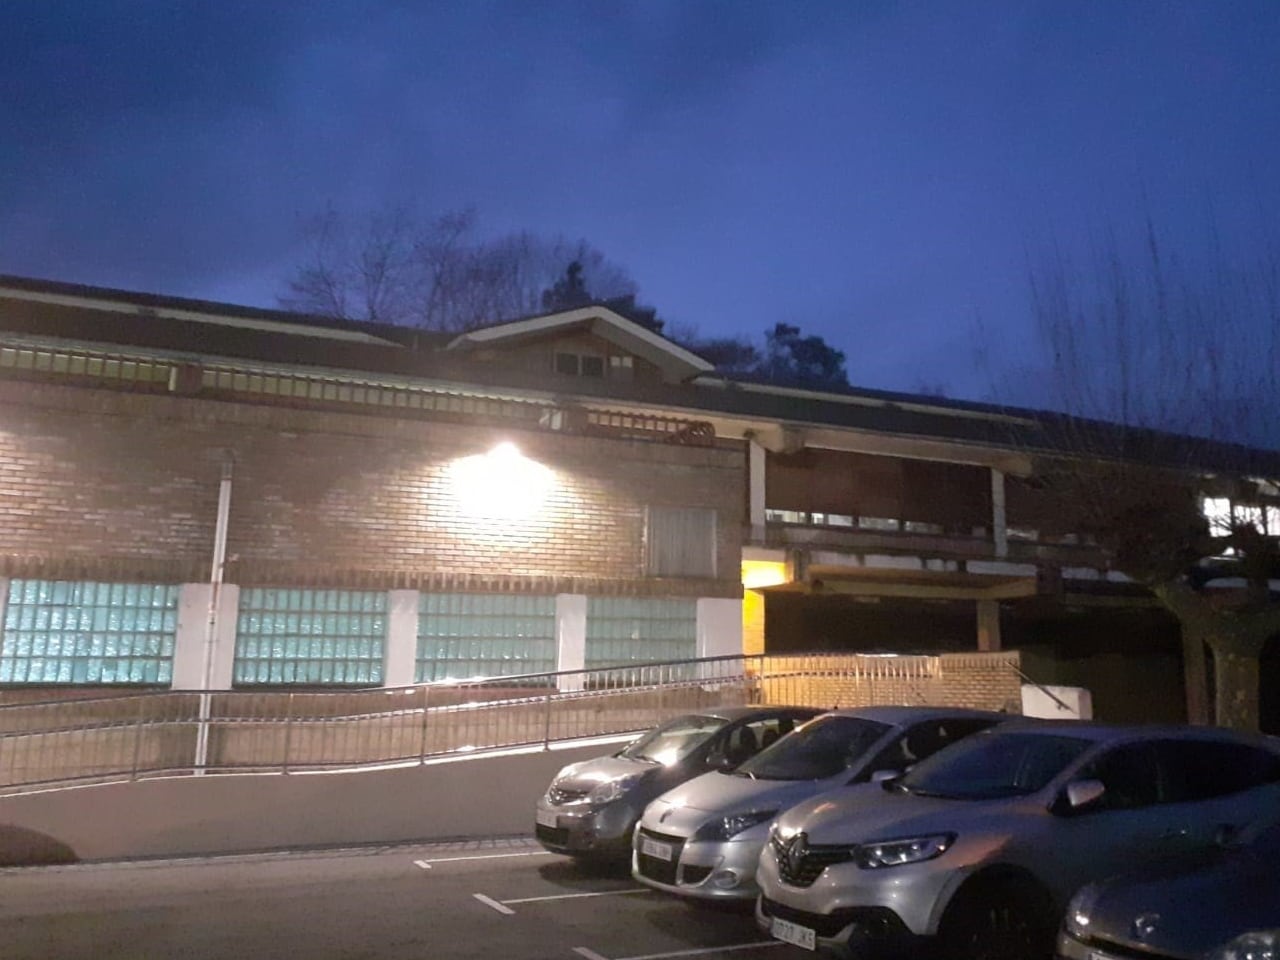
(501, 898)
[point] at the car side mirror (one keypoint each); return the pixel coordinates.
(880, 776)
(1084, 793)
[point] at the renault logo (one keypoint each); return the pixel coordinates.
(793, 853)
(1144, 926)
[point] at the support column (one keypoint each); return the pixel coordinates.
(989, 626)
(401, 651)
(193, 631)
(999, 517)
(4, 606)
(571, 640)
(719, 630)
(755, 486)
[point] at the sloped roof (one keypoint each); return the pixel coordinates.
(675, 360)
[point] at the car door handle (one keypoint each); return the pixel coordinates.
(1175, 833)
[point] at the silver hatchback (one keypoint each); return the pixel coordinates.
(703, 839)
(977, 849)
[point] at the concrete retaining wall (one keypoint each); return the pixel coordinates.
(480, 796)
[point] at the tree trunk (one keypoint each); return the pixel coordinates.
(1236, 672)
(1195, 675)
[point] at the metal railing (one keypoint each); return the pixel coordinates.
(59, 742)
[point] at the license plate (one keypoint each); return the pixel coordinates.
(545, 818)
(652, 848)
(793, 933)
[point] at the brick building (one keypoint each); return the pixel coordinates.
(201, 495)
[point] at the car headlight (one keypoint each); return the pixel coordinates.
(611, 790)
(722, 828)
(1080, 911)
(1259, 945)
(894, 853)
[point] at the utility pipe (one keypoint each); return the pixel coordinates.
(211, 623)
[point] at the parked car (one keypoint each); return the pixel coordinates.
(703, 839)
(977, 849)
(1218, 907)
(591, 808)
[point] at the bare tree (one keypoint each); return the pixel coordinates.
(1168, 370)
(388, 267)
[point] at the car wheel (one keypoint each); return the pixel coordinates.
(998, 921)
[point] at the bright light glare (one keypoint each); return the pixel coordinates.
(763, 573)
(501, 484)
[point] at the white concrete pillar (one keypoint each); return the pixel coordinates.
(999, 519)
(989, 626)
(571, 639)
(401, 651)
(756, 489)
(719, 631)
(190, 645)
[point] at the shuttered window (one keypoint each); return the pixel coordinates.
(680, 542)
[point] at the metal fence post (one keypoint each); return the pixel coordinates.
(426, 702)
(137, 736)
(288, 733)
(546, 720)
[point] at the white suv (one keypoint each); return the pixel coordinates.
(977, 849)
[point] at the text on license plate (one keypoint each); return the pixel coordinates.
(652, 848)
(793, 933)
(545, 818)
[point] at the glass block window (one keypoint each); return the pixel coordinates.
(462, 635)
(625, 630)
(59, 631)
(310, 637)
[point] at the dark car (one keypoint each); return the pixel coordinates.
(1224, 906)
(591, 808)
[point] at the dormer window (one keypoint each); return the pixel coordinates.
(579, 364)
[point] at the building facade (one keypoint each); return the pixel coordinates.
(202, 496)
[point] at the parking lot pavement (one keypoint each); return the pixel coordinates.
(501, 898)
(600, 913)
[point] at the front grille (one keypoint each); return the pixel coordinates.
(561, 795)
(1122, 952)
(874, 922)
(691, 874)
(660, 871)
(557, 836)
(799, 867)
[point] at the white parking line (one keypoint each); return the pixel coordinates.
(426, 864)
(705, 950)
(574, 896)
(490, 902)
(589, 954)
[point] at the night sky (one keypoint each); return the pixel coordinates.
(874, 172)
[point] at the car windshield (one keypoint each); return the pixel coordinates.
(821, 748)
(674, 740)
(991, 765)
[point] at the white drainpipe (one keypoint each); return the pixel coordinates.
(211, 624)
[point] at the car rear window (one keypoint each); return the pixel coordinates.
(821, 748)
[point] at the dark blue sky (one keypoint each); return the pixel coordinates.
(870, 171)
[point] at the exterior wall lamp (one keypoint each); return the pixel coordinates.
(502, 484)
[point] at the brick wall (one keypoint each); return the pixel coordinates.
(102, 483)
(982, 681)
